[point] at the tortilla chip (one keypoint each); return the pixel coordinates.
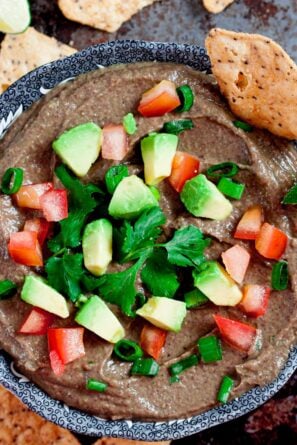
(111, 441)
(21, 426)
(258, 78)
(216, 6)
(21, 53)
(102, 14)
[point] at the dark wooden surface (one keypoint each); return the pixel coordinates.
(186, 21)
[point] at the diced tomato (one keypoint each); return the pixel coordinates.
(255, 300)
(24, 248)
(250, 224)
(39, 225)
(29, 195)
(236, 260)
(271, 242)
(115, 142)
(56, 363)
(152, 340)
(159, 100)
(239, 335)
(37, 322)
(67, 342)
(184, 167)
(54, 205)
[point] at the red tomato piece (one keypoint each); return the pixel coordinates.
(184, 167)
(115, 142)
(250, 224)
(37, 322)
(159, 100)
(255, 300)
(24, 248)
(271, 242)
(239, 335)
(39, 225)
(54, 205)
(56, 363)
(236, 260)
(29, 195)
(67, 342)
(152, 340)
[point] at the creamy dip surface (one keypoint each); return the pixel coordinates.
(268, 168)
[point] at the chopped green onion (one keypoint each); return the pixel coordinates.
(114, 175)
(243, 125)
(210, 349)
(128, 350)
(174, 379)
(176, 127)
(291, 196)
(280, 276)
(230, 188)
(223, 170)
(96, 385)
(155, 192)
(7, 289)
(82, 299)
(12, 181)
(225, 389)
(129, 123)
(195, 298)
(186, 96)
(183, 364)
(145, 366)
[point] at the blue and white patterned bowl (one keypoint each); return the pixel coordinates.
(13, 102)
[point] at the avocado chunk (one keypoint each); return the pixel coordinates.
(96, 316)
(36, 292)
(202, 198)
(158, 151)
(163, 312)
(131, 198)
(97, 246)
(216, 284)
(79, 147)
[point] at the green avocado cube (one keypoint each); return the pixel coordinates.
(79, 147)
(163, 312)
(97, 246)
(96, 316)
(202, 198)
(36, 292)
(158, 151)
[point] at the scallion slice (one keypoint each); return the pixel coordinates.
(195, 298)
(230, 188)
(96, 385)
(129, 123)
(114, 175)
(7, 289)
(12, 181)
(145, 366)
(225, 389)
(186, 96)
(223, 170)
(210, 349)
(127, 350)
(291, 196)
(243, 125)
(183, 364)
(280, 276)
(176, 127)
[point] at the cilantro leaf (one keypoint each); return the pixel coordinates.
(159, 275)
(119, 288)
(64, 274)
(132, 240)
(187, 246)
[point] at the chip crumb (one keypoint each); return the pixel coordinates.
(21, 53)
(257, 77)
(107, 15)
(114, 441)
(19, 425)
(216, 6)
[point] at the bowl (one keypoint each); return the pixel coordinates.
(13, 102)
